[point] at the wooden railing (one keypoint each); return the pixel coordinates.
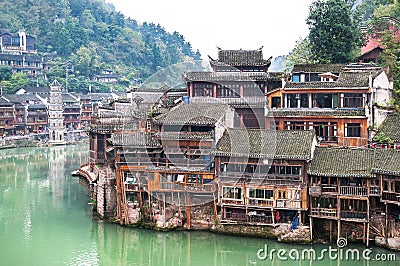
(358, 215)
(261, 202)
(391, 196)
(353, 191)
(232, 201)
(323, 212)
(375, 190)
(172, 186)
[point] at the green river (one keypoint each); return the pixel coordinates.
(46, 219)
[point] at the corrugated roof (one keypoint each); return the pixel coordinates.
(264, 143)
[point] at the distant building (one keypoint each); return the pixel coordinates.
(56, 127)
(17, 43)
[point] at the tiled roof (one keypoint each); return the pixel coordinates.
(19, 98)
(68, 98)
(225, 76)
(34, 89)
(36, 106)
(241, 58)
(264, 143)
(307, 112)
(3, 102)
(358, 162)
(387, 162)
(317, 68)
(134, 139)
(347, 79)
(30, 58)
(342, 162)
(240, 102)
(390, 128)
(193, 113)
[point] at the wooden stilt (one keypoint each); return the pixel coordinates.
(311, 229)
(338, 230)
(386, 222)
(215, 208)
(364, 229)
(330, 231)
(273, 215)
(368, 234)
(188, 211)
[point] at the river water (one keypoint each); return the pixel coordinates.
(46, 219)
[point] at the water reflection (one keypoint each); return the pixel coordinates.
(45, 219)
(131, 246)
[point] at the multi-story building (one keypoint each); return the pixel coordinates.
(262, 175)
(341, 103)
(17, 43)
(7, 119)
(238, 78)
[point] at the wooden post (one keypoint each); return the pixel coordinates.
(338, 229)
(330, 231)
(119, 207)
(215, 208)
(364, 229)
(273, 216)
(386, 222)
(188, 211)
(311, 229)
(368, 234)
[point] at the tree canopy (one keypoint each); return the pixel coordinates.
(334, 34)
(93, 36)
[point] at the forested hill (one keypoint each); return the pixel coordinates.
(95, 36)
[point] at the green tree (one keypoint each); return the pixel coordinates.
(17, 81)
(5, 73)
(334, 34)
(301, 54)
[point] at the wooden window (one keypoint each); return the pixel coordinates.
(353, 130)
(232, 192)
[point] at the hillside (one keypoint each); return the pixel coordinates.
(94, 36)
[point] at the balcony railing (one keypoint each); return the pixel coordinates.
(172, 186)
(232, 201)
(375, 190)
(323, 212)
(391, 196)
(261, 202)
(353, 191)
(358, 215)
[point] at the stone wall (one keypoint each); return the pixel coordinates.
(106, 198)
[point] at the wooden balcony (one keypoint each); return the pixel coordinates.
(288, 204)
(261, 202)
(391, 196)
(353, 215)
(181, 187)
(375, 191)
(353, 191)
(232, 201)
(324, 212)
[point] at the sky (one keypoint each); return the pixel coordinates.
(207, 24)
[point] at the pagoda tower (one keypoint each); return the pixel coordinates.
(56, 127)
